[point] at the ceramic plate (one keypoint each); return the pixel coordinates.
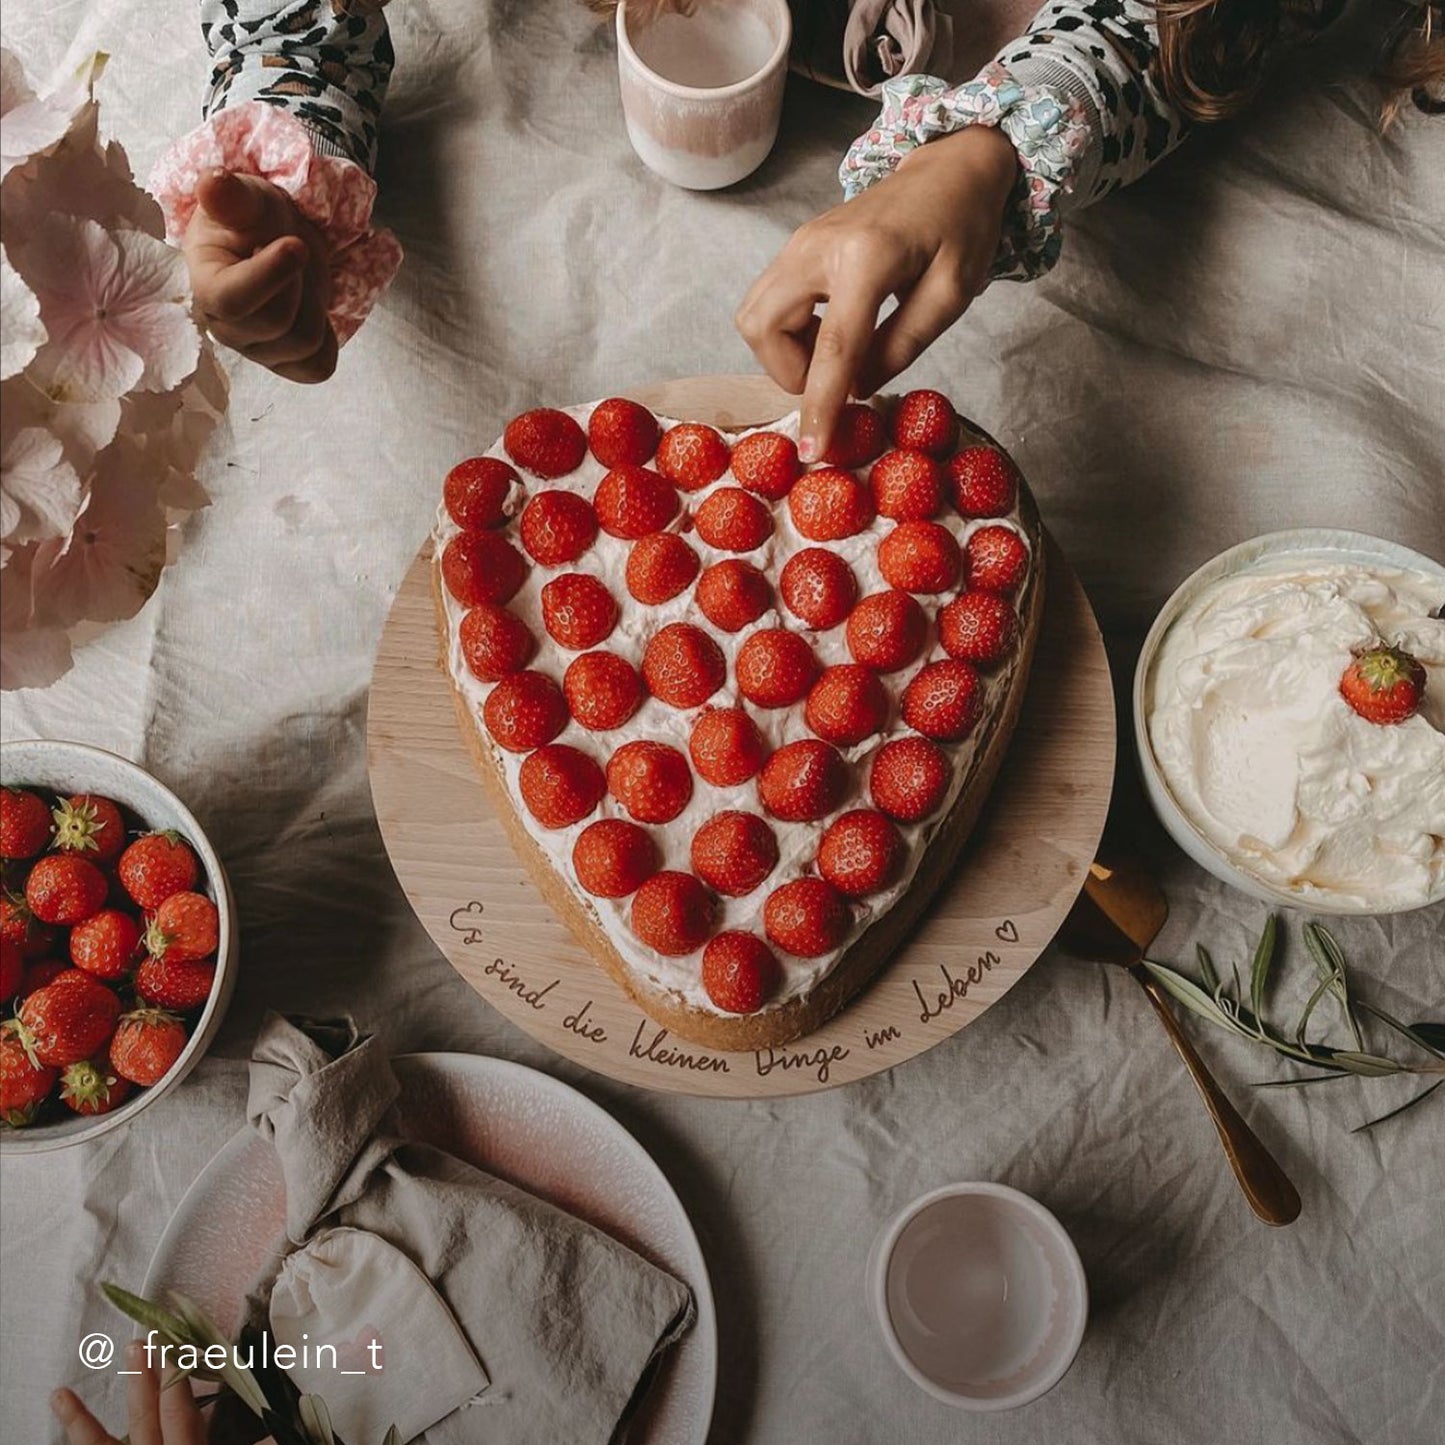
(523, 1126)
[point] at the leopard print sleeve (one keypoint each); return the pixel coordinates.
(326, 62)
(1098, 54)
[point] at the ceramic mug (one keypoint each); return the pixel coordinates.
(702, 92)
(980, 1295)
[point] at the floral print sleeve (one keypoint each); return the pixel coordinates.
(326, 62)
(1075, 96)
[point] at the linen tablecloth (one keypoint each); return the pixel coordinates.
(1253, 338)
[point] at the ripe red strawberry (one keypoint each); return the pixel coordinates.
(766, 463)
(672, 913)
(12, 969)
(683, 666)
(578, 611)
(830, 504)
(524, 710)
(476, 492)
(1383, 684)
(859, 436)
(943, 700)
(25, 823)
(886, 631)
(984, 482)
(545, 442)
(907, 486)
(93, 1087)
(622, 433)
(660, 567)
(978, 627)
(861, 853)
(692, 456)
(726, 747)
(557, 527)
(732, 593)
(733, 852)
(482, 567)
(65, 889)
(106, 944)
(633, 501)
(560, 785)
(920, 557)
(909, 779)
(733, 520)
(613, 857)
(602, 690)
(157, 865)
(69, 1019)
(495, 642)
(40, 973)
(739, 972)
(186, 926)
(147, 1043)
(652, 781)
(20, 927)
(803, 781)
(926, 422)
(995, 560)
(847, 704)
(819, 587)
(775, 667)
(25, 1083)
(807, 917)
(178, 984)
(89, 825)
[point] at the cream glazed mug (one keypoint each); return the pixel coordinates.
(702, 85)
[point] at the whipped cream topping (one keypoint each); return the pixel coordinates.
(1268, 761)
(606, 559)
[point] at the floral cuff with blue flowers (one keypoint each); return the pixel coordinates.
(1047, 129)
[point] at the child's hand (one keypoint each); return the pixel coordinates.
(156, 1416)
(258, 270)
(926, 234)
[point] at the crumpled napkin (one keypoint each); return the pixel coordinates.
(557, 1326)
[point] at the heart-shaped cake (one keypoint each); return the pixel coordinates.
(739, 714)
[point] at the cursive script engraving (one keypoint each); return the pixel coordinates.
(876, 1038)
(658, 1051)
(579, 1023)
(468, 922)
(821, 1061)
(955, 988)
(1007, 931)
(500, 969)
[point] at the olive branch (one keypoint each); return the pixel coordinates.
(1223, 1003)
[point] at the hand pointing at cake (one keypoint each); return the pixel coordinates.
(927, 235)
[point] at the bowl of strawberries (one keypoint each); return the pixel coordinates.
(117, 943)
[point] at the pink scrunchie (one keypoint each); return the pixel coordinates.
(334, 194)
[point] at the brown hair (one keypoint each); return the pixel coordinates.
(1214, 54)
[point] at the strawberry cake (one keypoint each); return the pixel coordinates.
(738, 714)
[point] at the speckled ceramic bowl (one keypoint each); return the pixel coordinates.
(702, 93)
(77, 768)
(1303, 542)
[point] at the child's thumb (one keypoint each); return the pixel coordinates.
(240, 203)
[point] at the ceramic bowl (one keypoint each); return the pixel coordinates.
(77, 768)
(702, 92)
(980, 1295)
(1305, 542)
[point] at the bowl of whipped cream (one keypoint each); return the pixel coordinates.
(1252, 757)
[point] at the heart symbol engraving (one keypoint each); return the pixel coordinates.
(1007, 931)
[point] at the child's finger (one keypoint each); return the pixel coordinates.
(923, 315)
(230, 290)
(306, 337)
(238, 203)
(317, 367)
(776, 320)
(81, 1427)
(141, 1398)
(844, 336)
(181, 1421)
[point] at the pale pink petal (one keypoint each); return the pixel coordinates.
(30, 656)
(150, 310)
(40, 493)
(35, 124)
(22, 332)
